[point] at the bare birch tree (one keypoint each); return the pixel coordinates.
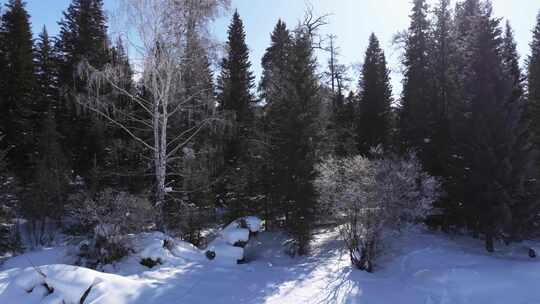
(158, 34)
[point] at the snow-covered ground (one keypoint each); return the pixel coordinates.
(420, 267)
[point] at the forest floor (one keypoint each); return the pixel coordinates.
(418, 267)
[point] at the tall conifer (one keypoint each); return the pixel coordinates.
(236, 100)
(374, 125)
(18, 105)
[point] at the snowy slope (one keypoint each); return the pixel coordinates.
(423, 268)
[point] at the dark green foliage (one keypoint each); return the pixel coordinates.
(273, 87)
(496, 152)
(236, 102)
(533, 109)
(374, 124)
(298, 141)
(236, 79)
(442, 63)
(417, 107)
(18, 105)
(291, 91)
(50, 181)
(344, 120)
(192, 208)
(83, 36)
(46, 70)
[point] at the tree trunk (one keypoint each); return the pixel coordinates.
(160, 160)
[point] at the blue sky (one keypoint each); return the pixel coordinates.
(351, 20)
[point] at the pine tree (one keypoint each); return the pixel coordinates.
(46, 69)
(374, 124)
(50, 180)
(511, 63)
(461, 45)
(236, 79)
(533, 78)
(417, 109)
(275, 64)
(275, 84)
(497, 158)
(235, 100)
(521, 175)
(442, 61)
(18, 104)
(301, 135)
(198, 159)
(83, 36)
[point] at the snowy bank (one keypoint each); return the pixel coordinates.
(68, 284)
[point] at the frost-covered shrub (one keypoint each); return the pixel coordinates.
(405, 190)
(370, 196)
(347, 189)
(109, 215)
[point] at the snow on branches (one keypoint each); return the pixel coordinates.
(369, 196)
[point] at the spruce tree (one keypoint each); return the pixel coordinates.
(300, 140)
(18, 105)
(374, 125)
(50, 179)
(83, 36)
(533, 78)
(521, 175)
(417, 108)
(46, 69)
(275, 84)
(275, 64)
(462, 38)
(198, 162)
(511, 63)
(236, 101)
(442, 61)
(291, 93)
(496, 156)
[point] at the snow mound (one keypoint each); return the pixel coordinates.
(232, 234)
(225, 253)
(157, 245)
(228, 247)
(68, 284)
(254, 223)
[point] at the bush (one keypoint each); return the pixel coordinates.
(109, 215)
(369, 196)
